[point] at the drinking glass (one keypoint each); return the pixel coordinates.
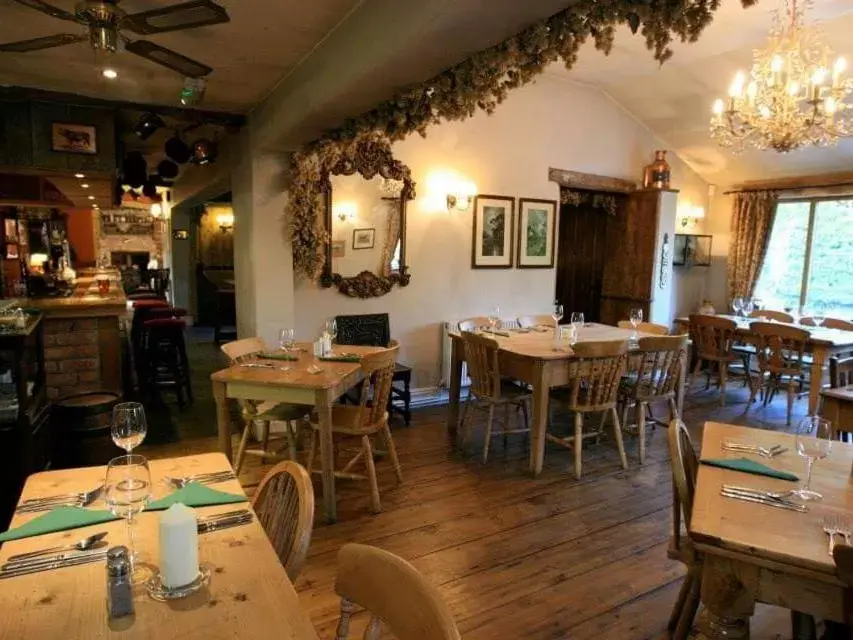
(332, 329)
(495, 319)
(129, 426)
(636, 317)
(287, 343)
(737, 305)
(814, 440)
(758, 303)
(577, 319)
(128, 490)
(818, 313)
(557, 315)
(748, 306)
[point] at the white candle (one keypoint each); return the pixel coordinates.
(178, 546)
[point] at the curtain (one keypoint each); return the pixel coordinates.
(391, 238)
(752, 221)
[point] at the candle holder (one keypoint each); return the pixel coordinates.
(160, 592)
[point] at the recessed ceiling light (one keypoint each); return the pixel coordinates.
(95, 206)
(85, 185)
(110, 74)
(79, 176)
(91, 197)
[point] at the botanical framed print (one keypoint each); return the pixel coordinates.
(73, 138)
(537, 221)
(363, 238)
(339, 248)
(494, 219)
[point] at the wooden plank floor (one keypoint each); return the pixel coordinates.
(514, 556)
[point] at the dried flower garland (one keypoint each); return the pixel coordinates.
(482, 82)
(609, 203)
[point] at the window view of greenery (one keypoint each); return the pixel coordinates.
(830, 279)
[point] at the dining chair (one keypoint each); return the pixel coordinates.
(645, 327)
(284, 504)
(595, 373)
(828, 323)
(843, 556)
(365, 420)
(393, 592)
(713, 341)
(769, 314)
(840, 372)
(530, 322)
(244, 350)
(685, 466)
(472, 324)
(658, 368)
(489, 391)
(779, 351)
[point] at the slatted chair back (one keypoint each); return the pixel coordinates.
(528, 322)
(840, 372)
(661, 359)
(241, 350)
(481, 354)
(472, 324)
(284, 504)
(378, 371)
(645, 327)
(828, 323)
(685, 467)
(713, 337)
(393, 592)
(596, 373)
(778, 316)
(779, 348)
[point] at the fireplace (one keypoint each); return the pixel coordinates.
(137, 259)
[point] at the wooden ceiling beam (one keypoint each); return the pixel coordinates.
(843, 178)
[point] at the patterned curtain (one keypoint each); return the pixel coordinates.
(391, 238)
(752, 221)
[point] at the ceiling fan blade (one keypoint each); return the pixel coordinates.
(49, 9)
(189, 15)
(168, 58)
(60, 39)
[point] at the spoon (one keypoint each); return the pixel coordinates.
(81, 545)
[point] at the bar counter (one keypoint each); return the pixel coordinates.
(82, 335)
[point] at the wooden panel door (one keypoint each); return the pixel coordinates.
(580, 260)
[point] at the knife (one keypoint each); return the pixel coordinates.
(22, 569)
(770, 502)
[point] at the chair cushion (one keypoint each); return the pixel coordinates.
(149, 304)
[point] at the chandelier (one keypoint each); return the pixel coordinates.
(794, 96)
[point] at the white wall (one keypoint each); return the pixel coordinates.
(552, 123)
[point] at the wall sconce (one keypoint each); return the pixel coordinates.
(690, 215)
(225, 221)
(345, 210)
(458, 201)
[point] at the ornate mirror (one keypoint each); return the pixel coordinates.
(366, 224)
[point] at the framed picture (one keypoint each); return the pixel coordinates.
(339, 248)
(74, 138)
(363, 238)
(494, 217)
(11, 251)
(690, 250)
(537, 221)
(180, 234)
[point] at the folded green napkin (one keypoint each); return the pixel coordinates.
(58, 519)
(350, 358)
(279, 356)
(195, 495)
(749, 466)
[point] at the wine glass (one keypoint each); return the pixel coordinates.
(818, 313)
(286, 342)
(128, 490)
(636, 317)
(748, 306)
(737, 305)
(129, 426)
(332, 329)
(577, 319)
(557, 315)
(758, 303)
(814, 440)
(495, 319)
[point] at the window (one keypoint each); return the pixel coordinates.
(395, 259)
(810, 257)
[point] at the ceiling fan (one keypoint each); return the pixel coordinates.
(105, 22)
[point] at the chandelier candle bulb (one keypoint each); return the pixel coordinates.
(178, 546)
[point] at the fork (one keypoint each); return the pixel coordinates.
(81, 499)
(831, 526)
(203, 478)
(843, 527)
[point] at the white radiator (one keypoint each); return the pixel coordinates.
(447, 356)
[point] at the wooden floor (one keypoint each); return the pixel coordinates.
(518, 557)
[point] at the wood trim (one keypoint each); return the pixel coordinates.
(844, 178)
(555, 206)
(590, 181)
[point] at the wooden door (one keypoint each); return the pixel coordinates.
(580, 260)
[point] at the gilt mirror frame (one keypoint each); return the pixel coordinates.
(370, 159)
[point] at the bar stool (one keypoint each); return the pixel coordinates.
(166, 363)
(141, 311)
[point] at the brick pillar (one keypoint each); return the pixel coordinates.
(72, 354)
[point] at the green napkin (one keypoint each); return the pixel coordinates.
(279, 356)
(58, 519)
(195, 495)
(750, 466)
(350, 358)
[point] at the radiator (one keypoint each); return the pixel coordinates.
(447, 356)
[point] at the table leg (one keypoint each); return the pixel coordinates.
(539, 424)
(323, 405)
(819, 358)
(727, 605)
(455, 388)
(223, 419)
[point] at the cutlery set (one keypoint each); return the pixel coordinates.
(81, 499)
(767, 452)
(213, 477)
(767, 498)
(836, 526)
(81, 552)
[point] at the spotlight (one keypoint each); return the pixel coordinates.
(134, 169)
(193, 91)
(79, 176)
(178, 150)
(156, 210)
(109, 74)
(167, 169)
(91, 197)
(149, 189)
(147, 125)
(84, 185)
(204, 152)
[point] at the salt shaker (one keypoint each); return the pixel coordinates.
(119, 583)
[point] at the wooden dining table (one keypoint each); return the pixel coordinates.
(248, 596)
(297, 386)
(837, 407)
(822, 345)
(755, 553)
(534, 358)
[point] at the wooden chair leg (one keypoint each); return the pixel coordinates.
(641, 430)
(578, 444)
(312, 451)
(617, 433)
(371, 474)
(488, 433)
(678, 607)
(265, 437)
(506, 426)
(691, 605)
(792, 392)
(241, 449)
(392, 452)
(724, 371)
(673, 410)
(292, 426)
